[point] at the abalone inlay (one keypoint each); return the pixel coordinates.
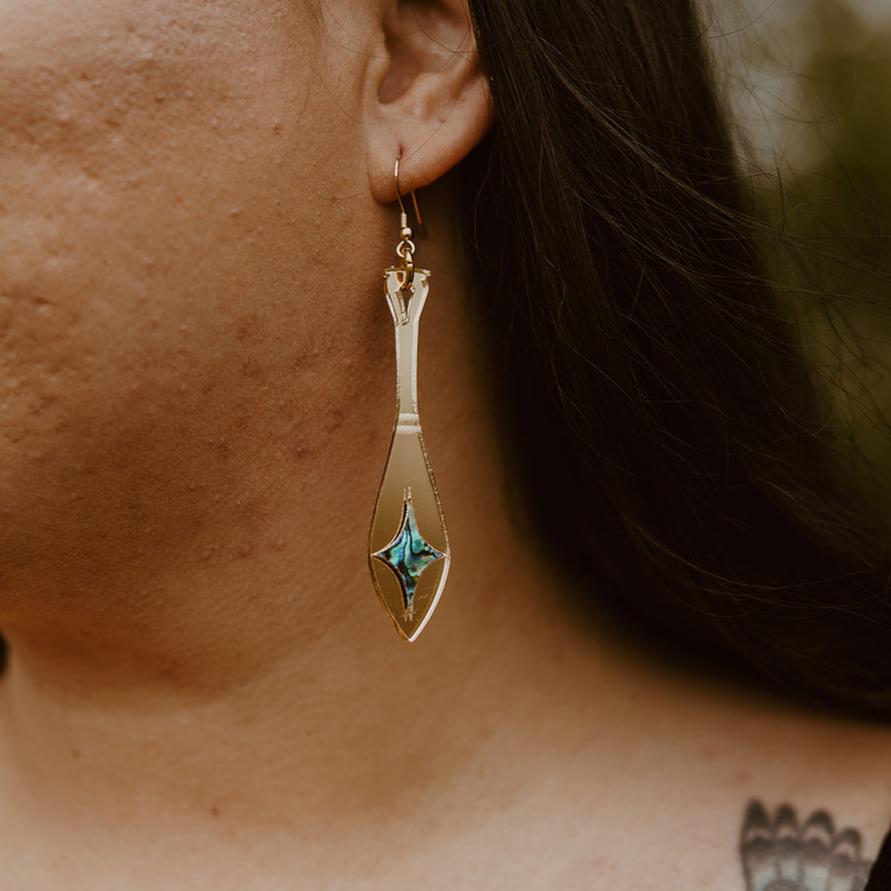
(408, 554)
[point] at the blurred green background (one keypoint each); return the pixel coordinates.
(809, 82)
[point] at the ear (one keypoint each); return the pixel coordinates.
(429, 101)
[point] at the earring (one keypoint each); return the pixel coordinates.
(408, 550)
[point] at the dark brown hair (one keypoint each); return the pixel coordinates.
(666, 435)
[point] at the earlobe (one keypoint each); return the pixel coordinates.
(429, 98)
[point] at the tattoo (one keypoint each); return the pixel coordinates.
(781, 854)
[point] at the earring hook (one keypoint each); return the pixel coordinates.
(406, 247)
(414, 201)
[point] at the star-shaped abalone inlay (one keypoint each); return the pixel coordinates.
(408, 554)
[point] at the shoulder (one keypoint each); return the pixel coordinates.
(718, 792)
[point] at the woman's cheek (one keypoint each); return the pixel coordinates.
(145, 214)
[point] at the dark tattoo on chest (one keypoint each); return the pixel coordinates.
(781, 853)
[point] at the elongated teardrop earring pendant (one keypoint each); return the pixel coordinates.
(408, 550)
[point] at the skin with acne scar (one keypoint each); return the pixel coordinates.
(159, 179)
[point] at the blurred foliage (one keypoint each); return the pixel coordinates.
(850, 71)
(835, 205)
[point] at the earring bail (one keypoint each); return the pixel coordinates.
(405, 249)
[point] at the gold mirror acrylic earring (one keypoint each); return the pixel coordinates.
(408, 550)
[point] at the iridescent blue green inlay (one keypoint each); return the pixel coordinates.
(408, 554)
